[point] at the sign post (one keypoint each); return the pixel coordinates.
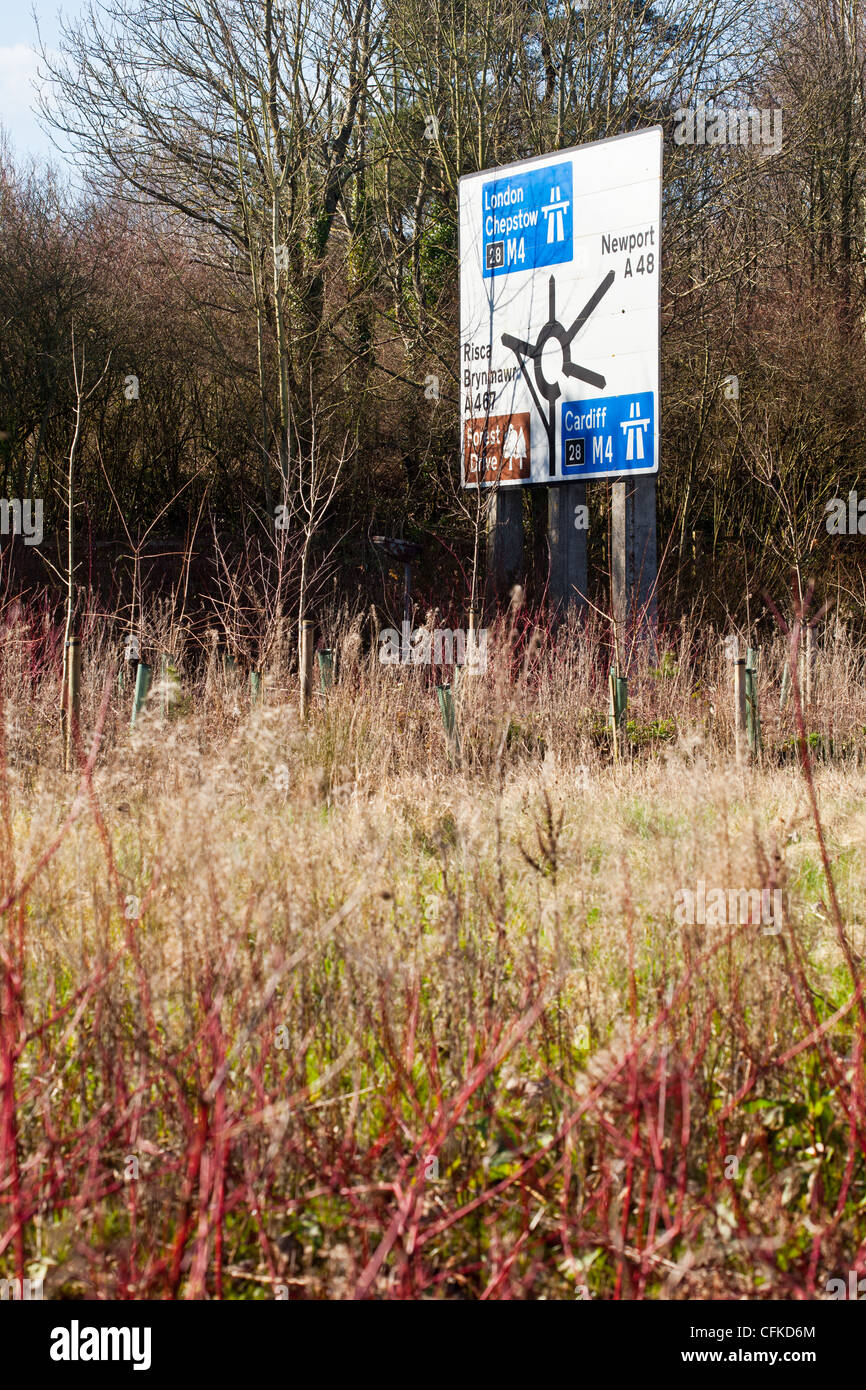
(559, 337)
(634, 562)
(505, 541)
(566, 535)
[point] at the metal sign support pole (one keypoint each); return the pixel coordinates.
(505, 542)
(567, 543)
(634, 559)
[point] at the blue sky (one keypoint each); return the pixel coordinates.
(18, 70)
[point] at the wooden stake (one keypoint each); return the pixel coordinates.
(306, 666)
(612, 685)
(753, 718)
(740, 704)
(73, 699)
(470, 666)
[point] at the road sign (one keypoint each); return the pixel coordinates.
(559, 315)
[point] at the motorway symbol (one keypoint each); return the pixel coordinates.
(554, 212)
(634, 428)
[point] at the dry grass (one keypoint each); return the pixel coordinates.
(336, 1010)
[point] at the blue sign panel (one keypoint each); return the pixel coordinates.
(527, 220)
(611, 434)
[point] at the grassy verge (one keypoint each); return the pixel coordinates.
(322, 1011)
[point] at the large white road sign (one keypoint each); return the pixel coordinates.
(559, 314)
